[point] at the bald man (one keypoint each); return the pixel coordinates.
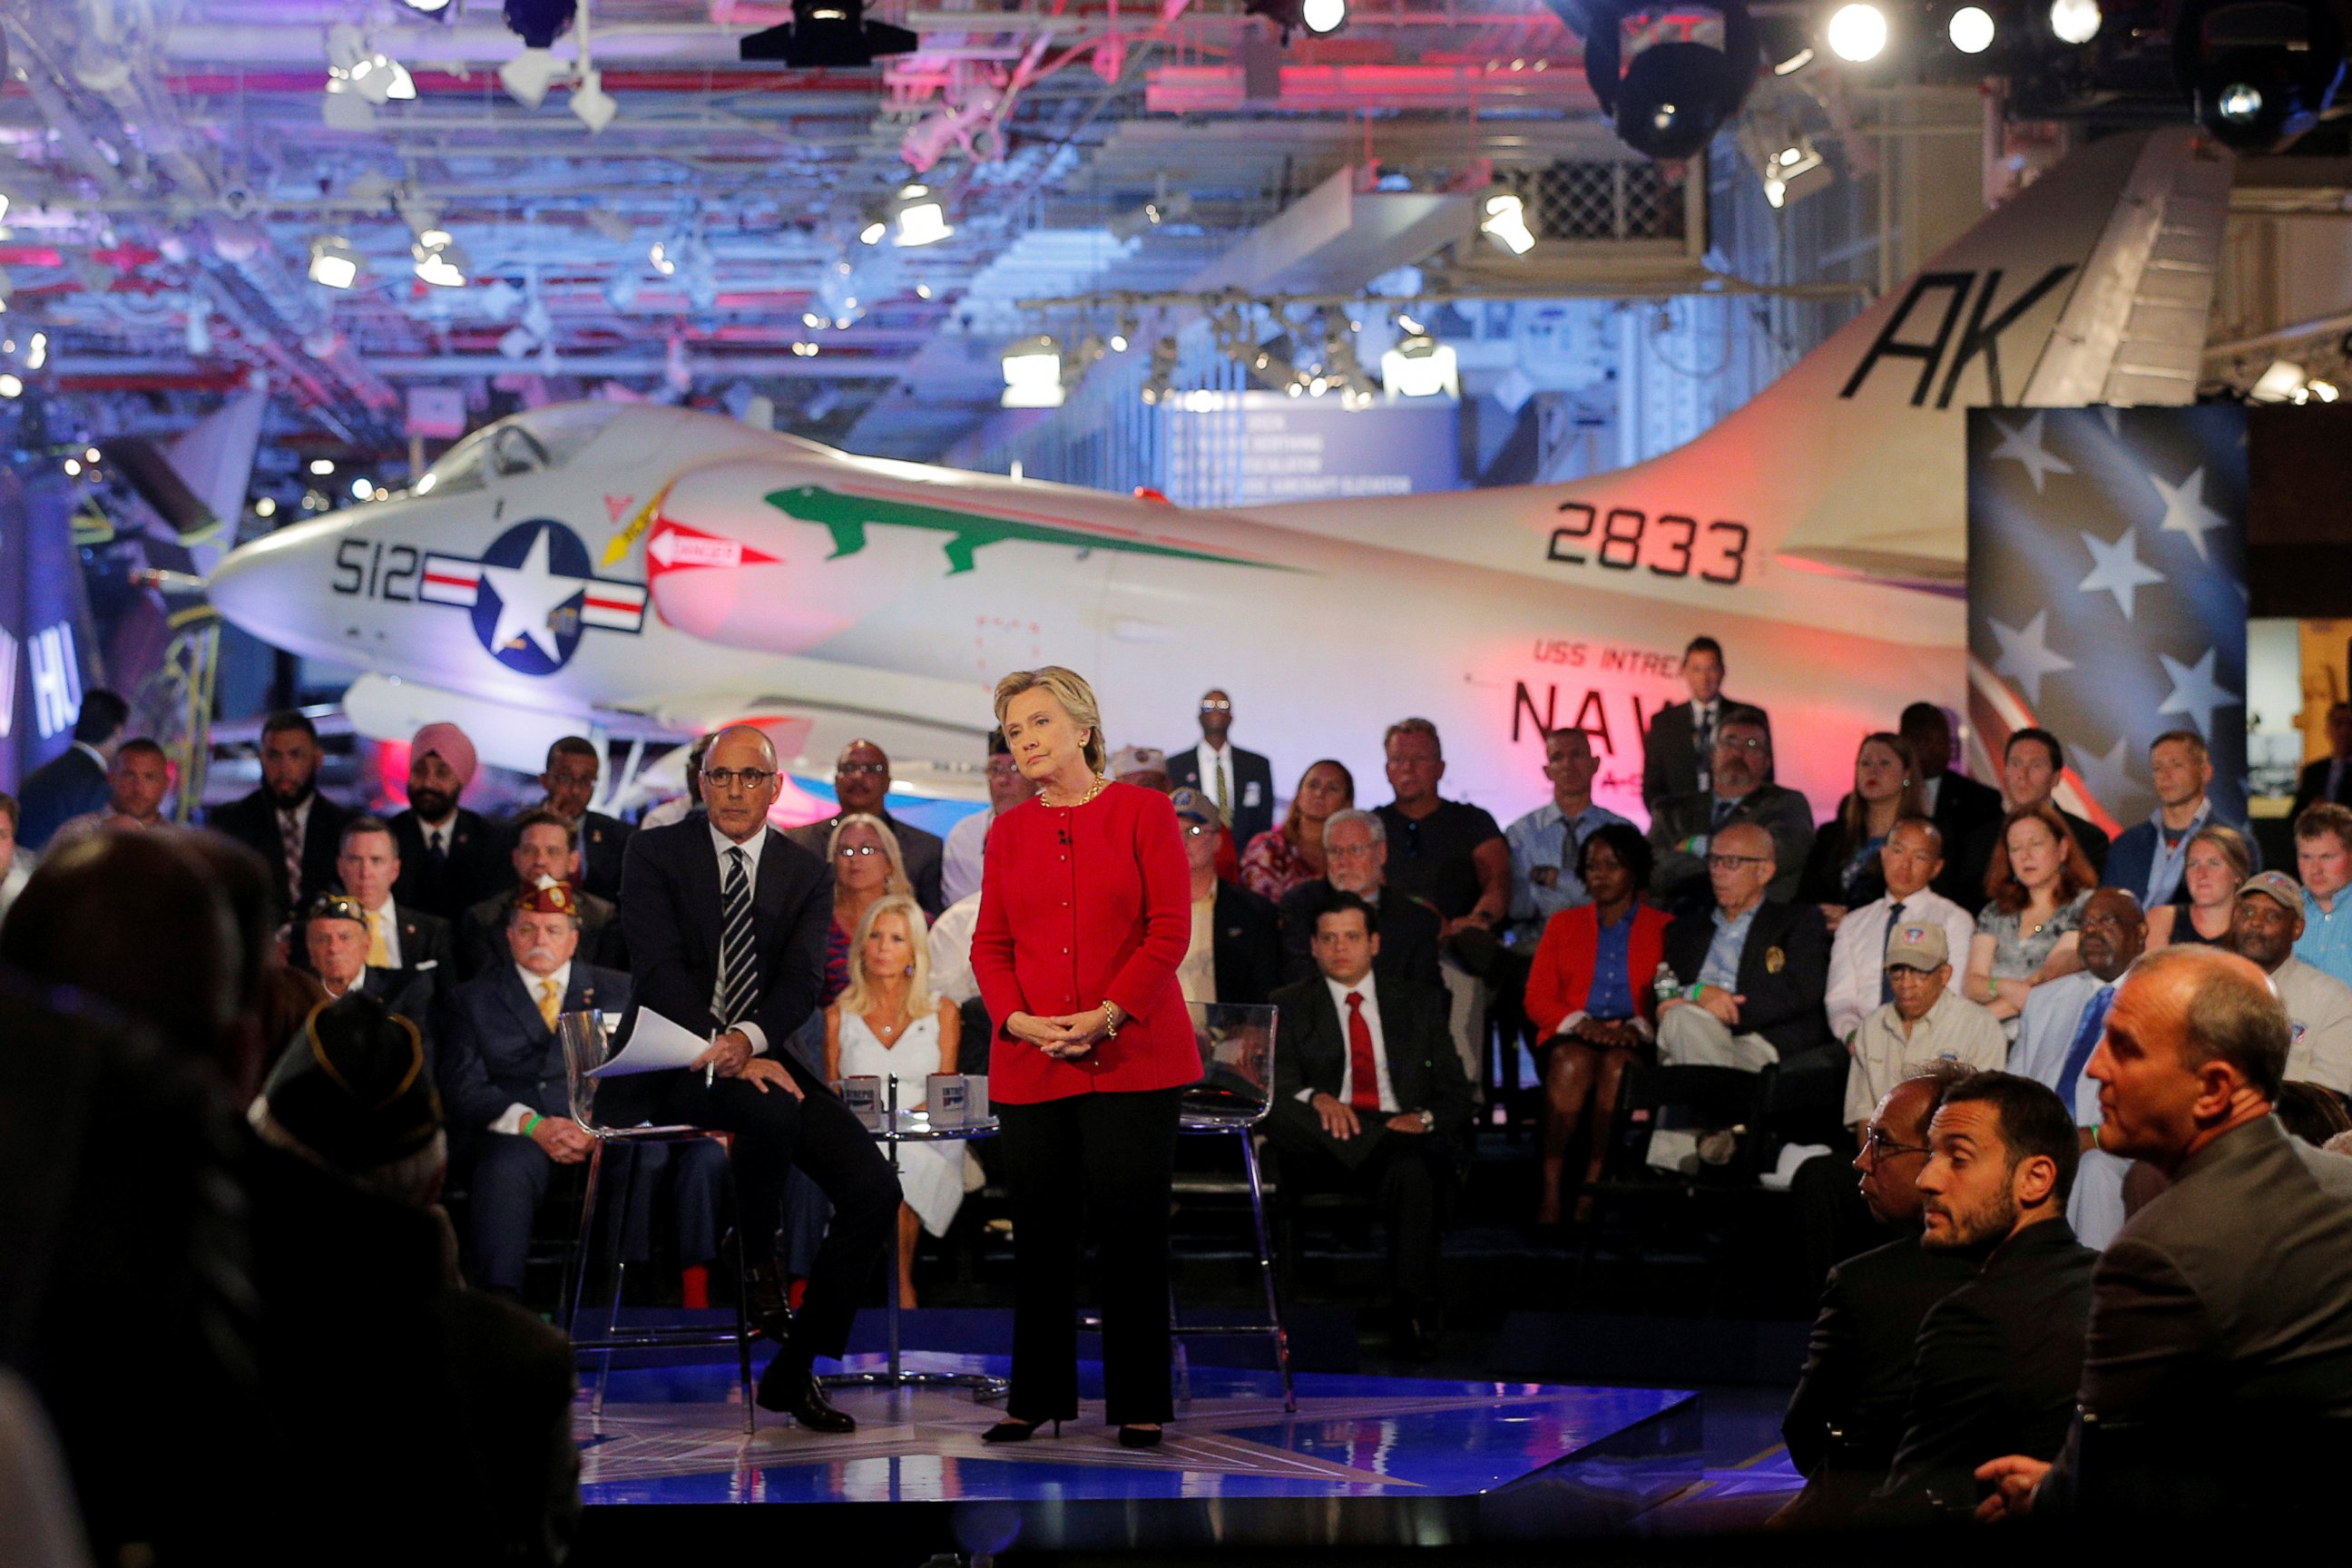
(725, 920)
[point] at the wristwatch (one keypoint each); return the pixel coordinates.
(1428, 1122)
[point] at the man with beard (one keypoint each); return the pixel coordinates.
(2264, 928)
(2057, 1033)
(573, 766)
(450, 857)
(1998, 1359)
(286, 821)
(861, 783)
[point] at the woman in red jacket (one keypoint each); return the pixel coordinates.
(1589, 998)
(1085, 912)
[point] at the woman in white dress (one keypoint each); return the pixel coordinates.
(887, 1025)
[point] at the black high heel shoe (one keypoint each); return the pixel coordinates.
(1012, 1429)
(1139, 1437)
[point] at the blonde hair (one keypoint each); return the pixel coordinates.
(898, 886)
(1070, 689)
(854, 998)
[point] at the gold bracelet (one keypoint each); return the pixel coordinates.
(1111, 1019)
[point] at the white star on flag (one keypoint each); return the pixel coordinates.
(2117, 569)
(2023, 445)
(529, 597)
(2105, 777)
(2185, 511)
(2026, 655)
(2195, 692)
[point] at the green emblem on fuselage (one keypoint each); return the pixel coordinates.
(848, 517)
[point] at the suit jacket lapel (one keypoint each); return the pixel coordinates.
(1330, 1061)
(519, 1001)
(768, 896)
(702, 894)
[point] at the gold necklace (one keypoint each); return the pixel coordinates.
(1100, 785)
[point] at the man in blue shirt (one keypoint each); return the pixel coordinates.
(1545, 841)
(2323, 855)
(2147, 860)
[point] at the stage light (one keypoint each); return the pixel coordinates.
(1858, 33)
(1420, 366)
(873, 232)
(3, 206)
(266, 507)
(530, 74)
(2260, 73)
(2075, 21)
(37, 355)
(1503, 218)
(1161, 372)
(1150, 215)
(591, 104)
(440, 260)
(1785, 159)
(1672, 98)
(921, 219)
(659, 255)
(825, 33)
(10, 387)
(322, 467)
(73, 467)
(431, 8)
(1032, 374)
(362, 488)
(1324, 16)
(1971, 30)
(333, 262)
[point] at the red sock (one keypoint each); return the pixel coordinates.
(694, 1286)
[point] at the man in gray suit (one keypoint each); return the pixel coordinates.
(2223, 1315)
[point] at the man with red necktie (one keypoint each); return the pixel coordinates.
(1369, 1096)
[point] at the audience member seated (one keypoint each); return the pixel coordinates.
(2148, 858)
(861, 784)
(1851, 1399)
(2033, 764)
(335, 942)
(1369, 1097)
(450, 856)
(1678, 751)
(1545, 843)
(1236, 951)
(2329, 778)
(890, 1024)
(545, 850)
(1959, 805)
(16, 862)
(1842, 872)
(1750, 972)
(73, 782)
(1684, 825)
(2037, 885)
(677, 808)
(967, 841)
(1291, 855)
(398, 937)
(1590, 999)
(2062, 1025)
(2323, 855)
(468, 1452)
(1239, 784)
(2311, 1111)
(1926, 1022)
(1355, 855)
(1998, 1359)
(573, 767)
(136, 782)
(1450, 856)
(286, 821)
(1908, 864)
(2219, 860)
(2318, 1005)
(2222, 1316)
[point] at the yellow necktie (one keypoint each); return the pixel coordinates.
(550, 1001)
(379, 955)
(1225, 808)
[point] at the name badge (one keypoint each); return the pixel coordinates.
(1775, 960)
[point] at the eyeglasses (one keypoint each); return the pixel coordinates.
(1347, 851)
(852, 851)
(727, 778)
(861, 770)
(1726, 862)
(1876, 1146)
(1748, 743)
(1217, 706)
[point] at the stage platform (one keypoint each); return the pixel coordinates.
(1366, 1460)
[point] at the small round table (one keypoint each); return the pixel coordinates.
(914, 1127)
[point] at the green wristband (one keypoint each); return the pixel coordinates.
(533, 1119)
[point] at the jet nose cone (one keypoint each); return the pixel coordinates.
(272, 586)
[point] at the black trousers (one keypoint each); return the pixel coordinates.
(1410, 1175)
(1111, 1157)
(775, 1133)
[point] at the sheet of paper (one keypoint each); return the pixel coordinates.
(657, 1045)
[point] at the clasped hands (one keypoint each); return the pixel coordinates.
(1616, 1035)
(1723, 1005)
(1063, 1037)
(730, 1056)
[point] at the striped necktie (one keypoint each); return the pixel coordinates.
(738, 969)
(290, 839)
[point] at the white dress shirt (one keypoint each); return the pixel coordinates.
(2045, 1032)
(951, 948)
(960, 861)
(1388, 1106)
(1214, 763)
(511, 1119)
(1858, 952)
(719, 845)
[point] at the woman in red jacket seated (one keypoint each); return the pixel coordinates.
(1086, 910)
(1589, 998)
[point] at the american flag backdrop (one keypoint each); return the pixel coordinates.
(2107, 593)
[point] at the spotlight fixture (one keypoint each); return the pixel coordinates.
(1420, 366)
(1785, 159)
(591, 104)
(333, 262)
(660, 255)
(1158, 379)
(1971, 30)
(11, 386)
(362, 488)
(1858, 33)
(826, 33)
(2075, 21)
(1670, 96)
(440, 260)
(1319, 17)
(921, 219)
(322, 467)
(1324, 16)
(2259, 72)
(266, 507)
(1150, 216)
(1032, 374)
(1503, 218)
(1122, 334)
(2283, 381)
(530, 74)
(875, 227)
(431, 8)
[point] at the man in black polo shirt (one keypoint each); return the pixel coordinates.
(1450, 856)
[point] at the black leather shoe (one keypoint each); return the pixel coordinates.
(768, 1303)
(1139, 1437)
(1012, 1429)
(792, 1390)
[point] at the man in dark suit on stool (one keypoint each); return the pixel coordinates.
(293, 828)
(450, 856)
(726, 921)
(507, 1100)
(1240, 782)
(1678, 751)
(1375, 1102)
(861, 784)
(573, 766)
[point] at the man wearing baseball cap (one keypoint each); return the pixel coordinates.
(450, 857)
(2265, 927)
(1927, 1022)
(1237, 952)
